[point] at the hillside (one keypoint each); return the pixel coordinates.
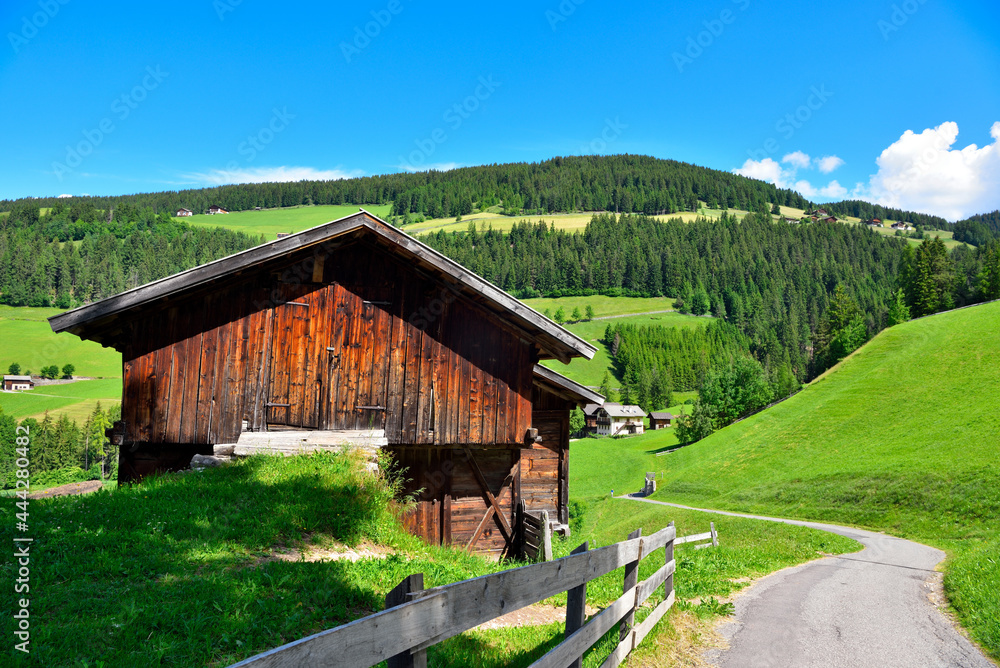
(902, 436)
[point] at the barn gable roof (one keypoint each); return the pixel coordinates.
(91, 320)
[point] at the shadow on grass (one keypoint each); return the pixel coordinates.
(177, 571)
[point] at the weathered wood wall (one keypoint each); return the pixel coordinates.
(361, 342)
(451, 503)
(545, 466)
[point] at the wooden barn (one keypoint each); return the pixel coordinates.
(350, 332)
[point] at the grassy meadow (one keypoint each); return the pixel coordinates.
(289, 219)
(29, 341)
(77, 400)
(902, 437)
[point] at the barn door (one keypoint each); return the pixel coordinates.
(357, 371)
(297, 384)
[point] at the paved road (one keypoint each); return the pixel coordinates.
(862, 610)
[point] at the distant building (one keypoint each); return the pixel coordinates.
(875, 222)
(212, 210)
(901, 226)
(181, 213)
(590, 417)
(17, 383)
(661, 419)
(822, 212)
(828, 219)
(791, 221)
(617, 420)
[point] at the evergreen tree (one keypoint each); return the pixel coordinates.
(899, 312)
(590, 312)
(607, 390)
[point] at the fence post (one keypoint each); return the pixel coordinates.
(668, 583)
(576, 607)
(631, 580)
(546, 537)
(398, 596)
(715, 535)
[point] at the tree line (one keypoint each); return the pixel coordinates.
(772, 282)
(978, 230)
(60, 259)
(620, 183)
(61, 450)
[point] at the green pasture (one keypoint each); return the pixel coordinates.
(289, 219)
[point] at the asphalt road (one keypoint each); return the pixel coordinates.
(867, 609)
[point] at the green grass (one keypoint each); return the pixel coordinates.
(603, 305)
(591, 372)
(29, 341)
(902, 437)
(290, 219)
(77, 400)
(179, 570)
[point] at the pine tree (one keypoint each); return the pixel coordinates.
(899, 312)
(606, 390)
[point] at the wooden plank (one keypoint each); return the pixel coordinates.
(366, 361)
(397, 371)
(568, 652)
(644, 627)
(638, 635)
(646, 588)
(425, 390)
(693, 538)
(380, 365)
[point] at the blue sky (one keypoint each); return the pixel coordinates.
(115, 97)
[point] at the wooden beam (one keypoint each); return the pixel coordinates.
(504, 524)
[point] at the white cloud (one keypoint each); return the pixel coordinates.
(61, 196)
(832, 190)
(436, 166)
(922, 172)
(218, 177)
(772, 172)
(828, 163)
(765, 170)
(798, 160)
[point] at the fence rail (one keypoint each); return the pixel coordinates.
(421, 617)
(711, 535)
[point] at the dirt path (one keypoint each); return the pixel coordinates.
(69, 489)
(871, 608)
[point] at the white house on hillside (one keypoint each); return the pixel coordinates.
(617, 420)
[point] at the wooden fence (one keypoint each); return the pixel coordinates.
(534, 539)
(419, 618)
(711, 535)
